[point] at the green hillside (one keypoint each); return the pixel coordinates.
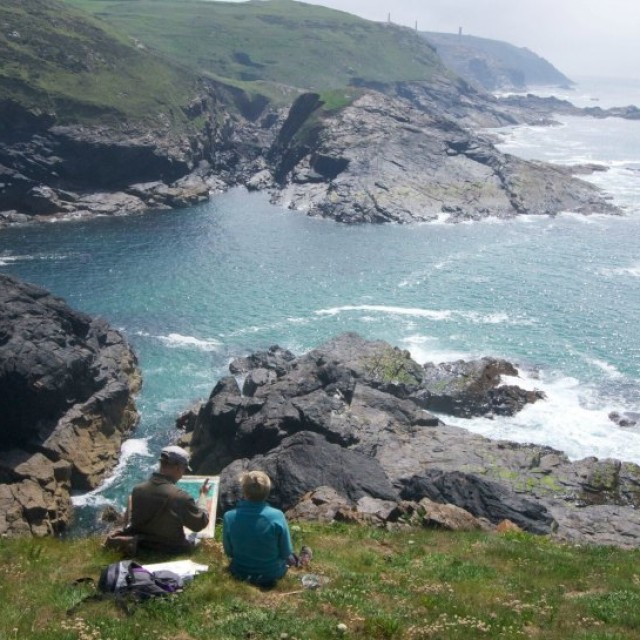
(413, 584)
(56, 58)
(280, 41)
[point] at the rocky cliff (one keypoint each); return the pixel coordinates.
(492, 64)
(353, 418)
(412, 157)
(67, 386)
(400, 153)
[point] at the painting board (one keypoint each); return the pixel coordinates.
(192, 484)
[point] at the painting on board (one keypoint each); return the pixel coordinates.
(192, 484)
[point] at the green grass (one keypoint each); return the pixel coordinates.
(279, 41)
(412, 584)
(56, 58)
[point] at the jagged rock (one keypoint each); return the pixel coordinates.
(408, 157)
(626, 419)
(351, 404)
(304, 462)
(546, 105)
(448, 516)
(112, 516)
(325, 504)
(66, 396)
(474, 388)
(507, 526)
(484, 499)
(319, 505)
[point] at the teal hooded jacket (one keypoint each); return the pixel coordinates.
(256, 538)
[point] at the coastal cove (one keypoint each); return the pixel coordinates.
(194, 289)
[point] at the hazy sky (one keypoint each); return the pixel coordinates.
(579, 37)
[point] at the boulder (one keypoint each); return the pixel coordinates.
(448, 516)
(304, 462)
(482, 498)
(320, 505)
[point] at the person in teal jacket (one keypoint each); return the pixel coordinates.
(255, 535)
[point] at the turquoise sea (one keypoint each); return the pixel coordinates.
(195, 288)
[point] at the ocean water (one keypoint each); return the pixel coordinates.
(193, 289)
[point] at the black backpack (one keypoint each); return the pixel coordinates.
(128, 582)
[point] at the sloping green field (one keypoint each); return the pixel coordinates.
(56, 58)
(279, 41)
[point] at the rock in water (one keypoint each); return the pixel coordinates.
(67, 382)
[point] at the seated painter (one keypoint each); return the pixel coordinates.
(159, 511)
(255, 535)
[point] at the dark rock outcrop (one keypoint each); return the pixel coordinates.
(545, 106)
(306, 461)
(484, 499)
(48, 170)
(67, 382)
(469, 389)
(350, 415)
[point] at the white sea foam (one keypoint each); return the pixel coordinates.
(572, 419)
(611, 371)
(177, 341)
(402, 311)
(131, 447)
(435, 315)
(633, 270)
(425, 349)
(6, 260)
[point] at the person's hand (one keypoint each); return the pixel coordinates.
(204, 489)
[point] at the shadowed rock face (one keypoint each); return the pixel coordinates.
(66, 399)
(352, 416)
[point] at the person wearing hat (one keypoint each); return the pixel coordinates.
(255, 535)
(159, 511)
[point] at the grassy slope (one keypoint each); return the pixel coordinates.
(57, 58)
(409, 585)
(279, 41)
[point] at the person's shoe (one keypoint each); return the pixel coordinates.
(305, 556)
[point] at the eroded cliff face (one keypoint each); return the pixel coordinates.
(411, 157)
(48, 170)
(398, 153)
(67, 387)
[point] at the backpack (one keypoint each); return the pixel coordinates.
(129, 578)
(127, 581)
